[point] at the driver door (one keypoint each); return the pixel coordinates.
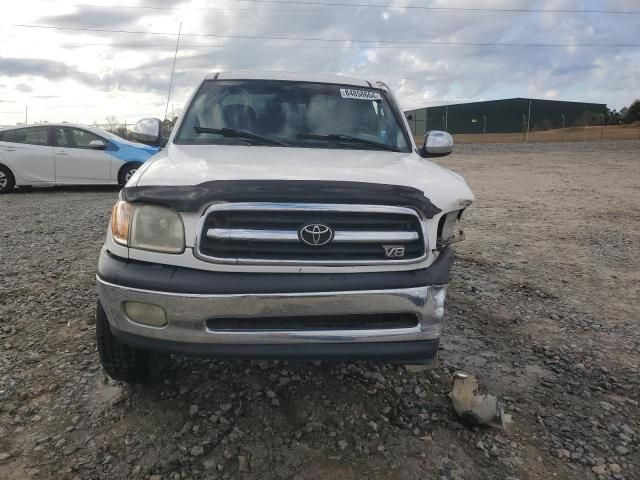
(76, 161)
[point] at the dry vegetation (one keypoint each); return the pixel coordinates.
(571, 134)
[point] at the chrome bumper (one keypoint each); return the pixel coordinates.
(187, 314)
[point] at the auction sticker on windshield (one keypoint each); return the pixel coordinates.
(359, 94)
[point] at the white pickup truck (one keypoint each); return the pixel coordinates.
(289, 216)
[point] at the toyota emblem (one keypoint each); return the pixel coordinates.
(315, 234)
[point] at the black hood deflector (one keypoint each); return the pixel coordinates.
(191, 198)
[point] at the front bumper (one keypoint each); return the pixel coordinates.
(187, 315)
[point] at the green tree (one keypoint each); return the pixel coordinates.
(632, 114)
(613, 117)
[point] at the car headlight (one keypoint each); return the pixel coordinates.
(450, 228)
(147, 227)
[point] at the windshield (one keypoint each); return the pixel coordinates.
(299, 114)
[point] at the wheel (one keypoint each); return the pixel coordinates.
(7, 182)
(127, 172)
(123, 362)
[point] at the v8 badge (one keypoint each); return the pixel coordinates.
(393, 251)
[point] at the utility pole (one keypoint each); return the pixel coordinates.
(524, 131)
(563, 121)
(586, 124)
(175, 55)
(484, 128)
(446, 117)
(528, 120)
(26, 114)
(602, 127)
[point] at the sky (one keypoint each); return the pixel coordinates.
(84, 67)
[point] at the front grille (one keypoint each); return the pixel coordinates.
(317, 322)
(267, 233)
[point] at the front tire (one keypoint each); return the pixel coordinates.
(7, 181)
(123, 362)
(126, 173)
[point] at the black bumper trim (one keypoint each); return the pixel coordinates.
(166, 278)
(422, 351)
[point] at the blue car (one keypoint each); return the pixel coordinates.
(67, 154)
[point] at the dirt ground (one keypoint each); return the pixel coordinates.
(543, 308)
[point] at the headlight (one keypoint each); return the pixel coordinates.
(147, 227)
(450, 228)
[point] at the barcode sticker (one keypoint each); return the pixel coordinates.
(359, 94)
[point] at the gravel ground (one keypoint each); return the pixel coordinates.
(543, 309)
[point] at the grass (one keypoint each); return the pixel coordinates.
(571, 134)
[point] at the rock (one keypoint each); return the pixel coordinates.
(271, 394)
(615, 468)
(197, 451)
(342, 444)
(34, 357)
(418, 368)
(193, 410)
(599, 470)
(607, 406)
(4, 456)
(243, 465)
(68, 450)
(209, 464)
(622, 450)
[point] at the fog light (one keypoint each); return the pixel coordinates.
(146, 314)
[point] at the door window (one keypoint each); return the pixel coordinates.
(31, 135)
(73, 137)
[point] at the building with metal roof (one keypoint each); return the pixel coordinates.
(510, 115)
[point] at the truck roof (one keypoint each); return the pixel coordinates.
(290, 76)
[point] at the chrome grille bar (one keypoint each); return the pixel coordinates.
(249, 235)
(232, 233)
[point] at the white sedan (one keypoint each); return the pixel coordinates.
(67, 154)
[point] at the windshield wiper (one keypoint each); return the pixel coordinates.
(341, 137)
(244, 135)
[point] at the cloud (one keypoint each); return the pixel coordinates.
(21, 87)
(573, 69)
(53, 70)
(86, 16)
(129, 74)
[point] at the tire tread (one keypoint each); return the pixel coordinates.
(123, 362)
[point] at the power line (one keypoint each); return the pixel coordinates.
(331, 40)
(300, 47)
(378, 5)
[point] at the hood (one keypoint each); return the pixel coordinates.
(181, 165)
(131, 151)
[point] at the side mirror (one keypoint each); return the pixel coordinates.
(97, 144)
(147, 130)
(436, 144)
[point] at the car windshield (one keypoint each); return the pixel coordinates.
(297, 114)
